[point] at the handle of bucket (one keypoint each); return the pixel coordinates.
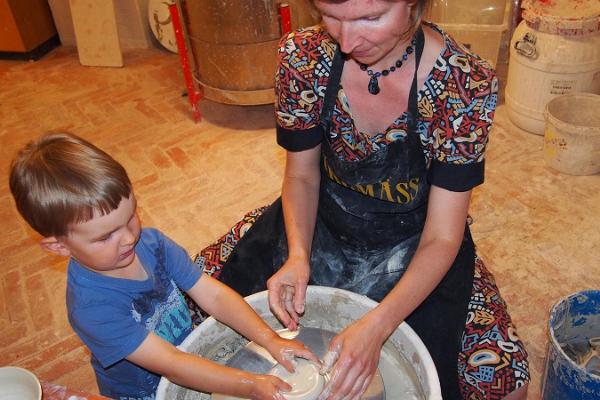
(526, 46)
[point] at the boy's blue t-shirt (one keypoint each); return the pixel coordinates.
(113, 316)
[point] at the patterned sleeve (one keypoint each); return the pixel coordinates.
(304, 60)
(461, 127)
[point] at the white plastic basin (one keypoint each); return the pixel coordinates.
(326, 308)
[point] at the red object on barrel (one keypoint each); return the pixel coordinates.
(285, 20)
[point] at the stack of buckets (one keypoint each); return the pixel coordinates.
(555, 52)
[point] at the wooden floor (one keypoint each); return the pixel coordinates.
(535, 228)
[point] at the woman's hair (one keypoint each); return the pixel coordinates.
(61, 179)
(416, 15)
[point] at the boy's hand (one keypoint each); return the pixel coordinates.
(284, 351)
(268, 387)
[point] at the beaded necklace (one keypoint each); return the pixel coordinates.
(374, 81)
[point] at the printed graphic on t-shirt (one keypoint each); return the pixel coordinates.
(162, 310)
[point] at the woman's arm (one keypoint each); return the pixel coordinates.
(300, 197)
(358, 347)
(437, 250)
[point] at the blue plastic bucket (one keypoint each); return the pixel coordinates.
(573, 320)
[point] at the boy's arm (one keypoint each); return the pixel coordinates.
(227, 306)
(161, 357)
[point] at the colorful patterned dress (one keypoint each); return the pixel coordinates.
(455, 106)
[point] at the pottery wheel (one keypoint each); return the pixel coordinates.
(256, 359)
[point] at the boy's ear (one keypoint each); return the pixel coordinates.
(55, 246)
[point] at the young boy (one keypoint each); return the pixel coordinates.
(122, 287)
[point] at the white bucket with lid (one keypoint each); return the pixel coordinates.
(572, 135)
(555, 50)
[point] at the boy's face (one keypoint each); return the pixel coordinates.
(105, 243)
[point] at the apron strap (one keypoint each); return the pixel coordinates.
(413, 96)
(331, 92)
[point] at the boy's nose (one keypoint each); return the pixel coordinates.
(128, 237)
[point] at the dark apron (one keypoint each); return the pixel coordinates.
(370, 217)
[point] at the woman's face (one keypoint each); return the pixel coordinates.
(367, 30)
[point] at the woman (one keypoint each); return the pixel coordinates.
(377, 185)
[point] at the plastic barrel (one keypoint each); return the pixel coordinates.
(574, 319)
(555, 50)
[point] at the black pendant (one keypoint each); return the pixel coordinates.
(373, 85)
(373, 82)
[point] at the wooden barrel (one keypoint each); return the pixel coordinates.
(234, 45)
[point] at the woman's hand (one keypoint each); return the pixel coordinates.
(287, 291)
(267, 387)
(284, 351)
(354, 355)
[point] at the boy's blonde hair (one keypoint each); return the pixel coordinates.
(61, 179)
